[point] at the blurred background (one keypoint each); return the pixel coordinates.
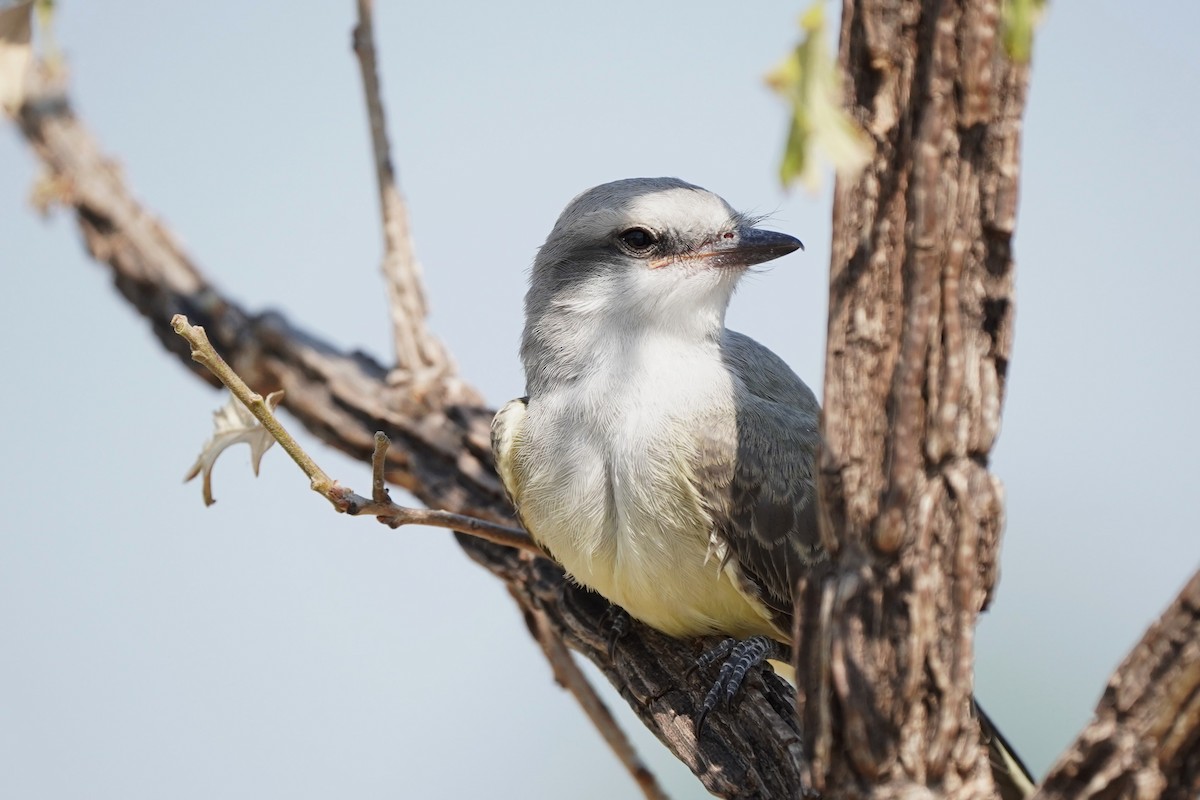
(266, 647)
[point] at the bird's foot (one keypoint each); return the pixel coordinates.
(618, 621)
(738, 658)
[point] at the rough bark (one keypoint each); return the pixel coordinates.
(1144, 740)
(921, 281)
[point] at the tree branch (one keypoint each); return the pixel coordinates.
(919, 337)
(441, 453)
(569, 676)
(345, 501)
(1144, 740)
(420, 357)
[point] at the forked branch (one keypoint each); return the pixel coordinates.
(344, 500)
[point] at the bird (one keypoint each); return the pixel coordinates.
(665, 461)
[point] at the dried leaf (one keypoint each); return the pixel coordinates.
(16, 53)
(233, 423)
(809, 80)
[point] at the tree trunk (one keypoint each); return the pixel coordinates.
(920, 329)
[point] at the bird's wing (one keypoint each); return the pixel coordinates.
(764, 506)
(506, 434)
(761, 491)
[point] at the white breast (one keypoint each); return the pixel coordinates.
(608, 489)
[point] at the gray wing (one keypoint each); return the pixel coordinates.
(762, 495)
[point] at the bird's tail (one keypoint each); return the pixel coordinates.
(1012, 777)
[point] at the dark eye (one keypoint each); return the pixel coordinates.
(638, 240)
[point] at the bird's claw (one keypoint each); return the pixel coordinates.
(618, 621)
(739, 658)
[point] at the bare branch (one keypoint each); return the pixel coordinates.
(420, 357)
(344, 500)
(569, 676)
(379, 490)
(1144, 740)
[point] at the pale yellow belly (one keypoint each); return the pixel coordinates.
(655, 563)
(611, 495)
(686, 602)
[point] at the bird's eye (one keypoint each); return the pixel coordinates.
(638, 240)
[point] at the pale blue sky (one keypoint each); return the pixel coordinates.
(265, 647)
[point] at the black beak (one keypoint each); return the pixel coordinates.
(748, 246)
(736, 249)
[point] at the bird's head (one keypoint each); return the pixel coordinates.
(633, 262)
(650, 253)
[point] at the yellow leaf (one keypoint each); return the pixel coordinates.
(809, 81)
(1018, 18)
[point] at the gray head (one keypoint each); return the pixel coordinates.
(638, 256)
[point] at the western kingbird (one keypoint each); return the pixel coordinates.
(664, 460)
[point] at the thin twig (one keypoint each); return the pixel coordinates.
(419, 356)
(379, 491)
(394, 516)
(344, 500)
(203, 353)
(571, 678)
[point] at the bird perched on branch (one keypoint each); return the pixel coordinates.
(664, 460)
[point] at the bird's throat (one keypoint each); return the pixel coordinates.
(610, 348)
